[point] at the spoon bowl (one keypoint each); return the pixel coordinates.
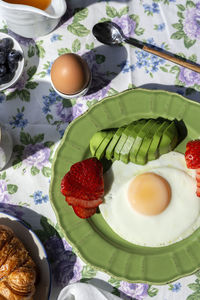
(108, 33)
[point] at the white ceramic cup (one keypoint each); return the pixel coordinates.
(6, 147)
(81, 93)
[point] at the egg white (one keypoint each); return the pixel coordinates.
(177, 221)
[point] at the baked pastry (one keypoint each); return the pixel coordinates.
(17, 269)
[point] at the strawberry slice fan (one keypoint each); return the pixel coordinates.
(83, 187)
(192, 158)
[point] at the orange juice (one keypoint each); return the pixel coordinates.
(41, 4)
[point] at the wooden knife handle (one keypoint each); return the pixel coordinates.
(175, 60)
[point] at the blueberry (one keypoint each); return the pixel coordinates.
(14, 56)
(6, 78)
(3, 56)
(7, 44)
(3, 70)
(12, 66)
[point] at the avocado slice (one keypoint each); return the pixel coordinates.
(169, 139)
(100, 152)
(113, 142)
(141, 157)
(122, 140)
(124, 153)
(153, 149)
(138, 141)
(96, 140)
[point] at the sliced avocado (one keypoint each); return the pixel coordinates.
(153, 149)
(141, 157)
(100, 152)
(113, 142)
(169, 139)
(122, 140)
(96, 140)
(124, 153)
(139, 138)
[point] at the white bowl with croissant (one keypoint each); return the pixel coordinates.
(24, 268)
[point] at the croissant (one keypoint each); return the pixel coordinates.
(18, 272)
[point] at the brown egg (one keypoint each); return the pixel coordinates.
(70, 74)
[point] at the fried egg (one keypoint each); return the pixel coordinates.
(152, 205)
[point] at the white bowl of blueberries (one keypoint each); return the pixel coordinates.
(11, 61)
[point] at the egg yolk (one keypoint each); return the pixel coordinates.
(149, 194)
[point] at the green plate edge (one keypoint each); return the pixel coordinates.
(93, 240)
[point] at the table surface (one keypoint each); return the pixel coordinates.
(37, 117)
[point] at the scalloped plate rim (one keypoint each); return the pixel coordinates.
(74, 244)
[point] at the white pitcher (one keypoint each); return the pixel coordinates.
(32, 22)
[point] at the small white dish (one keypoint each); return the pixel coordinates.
(20, 68)
(81, 93)
(36, 250)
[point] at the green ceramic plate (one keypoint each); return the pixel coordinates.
(95, 242)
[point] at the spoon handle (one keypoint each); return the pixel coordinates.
(178, 60)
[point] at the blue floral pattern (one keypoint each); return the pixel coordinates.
(18, 121)
(160, 27)
(151, 9)
(56, 37)
(39, 198)
(149, 62)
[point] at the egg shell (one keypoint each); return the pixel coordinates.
(70, 74)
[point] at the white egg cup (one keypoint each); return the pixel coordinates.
(81, 93)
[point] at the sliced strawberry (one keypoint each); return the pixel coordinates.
(192, 158)
(83, 187)
(192, 154)
(84, 180)
(84, 213)
(83, 203)
(89, 175)
(198, 192)
(198, 175)
(198, 183)
(198, 178)
(69, 187)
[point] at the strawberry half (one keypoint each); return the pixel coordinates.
(198, 182)
(84, 213)
(83, 186)
(84, 180)
(192, 154)
(83, 203)
(192, 158)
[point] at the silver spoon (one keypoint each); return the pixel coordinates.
(111, 34)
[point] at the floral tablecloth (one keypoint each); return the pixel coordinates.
(36, 116)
